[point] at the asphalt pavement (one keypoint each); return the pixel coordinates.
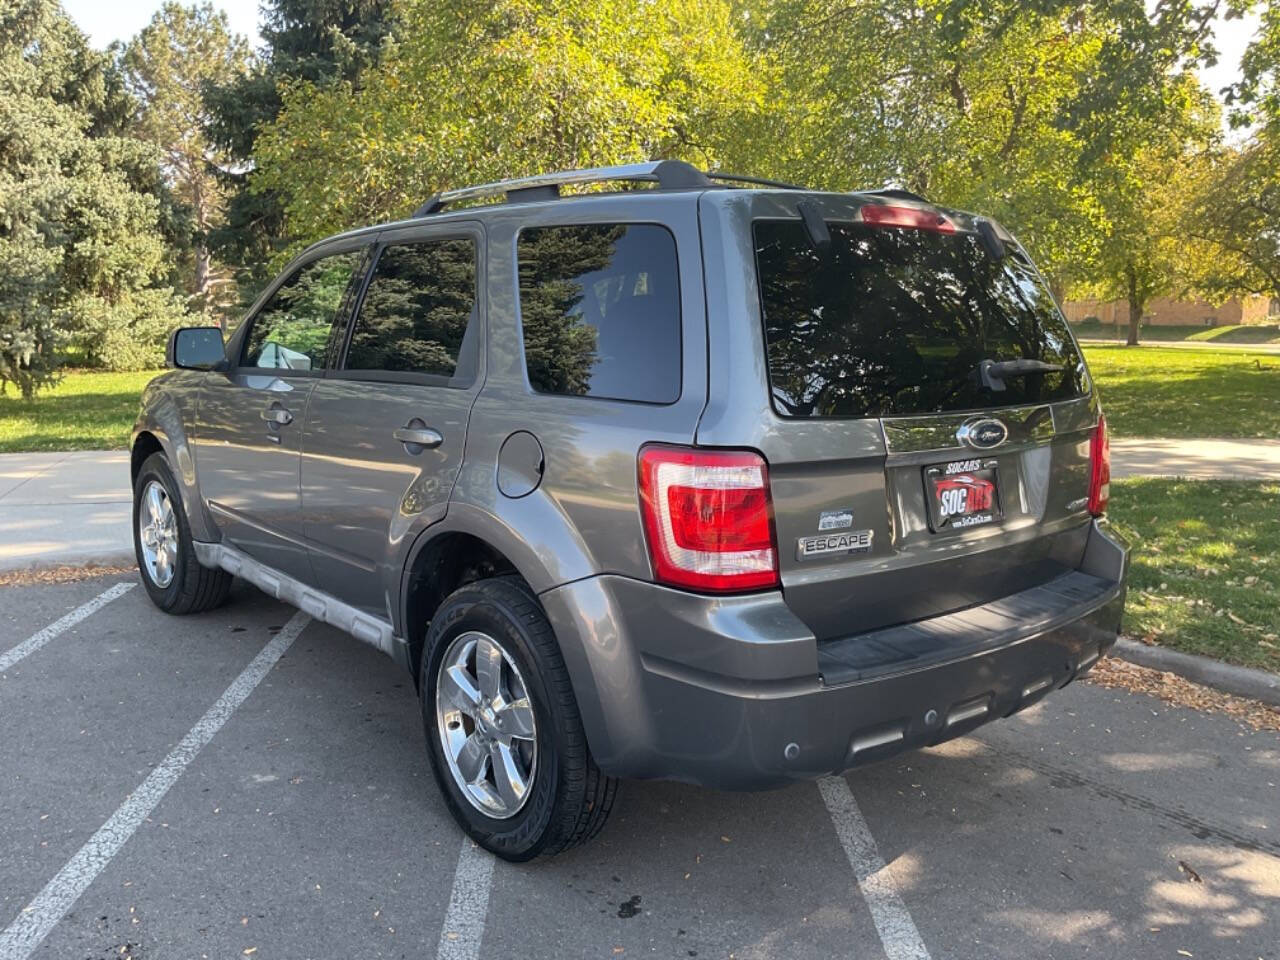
(245, 783)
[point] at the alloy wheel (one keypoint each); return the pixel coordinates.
(158, 534)
(486, 725)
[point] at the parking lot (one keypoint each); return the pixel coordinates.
(247, 783)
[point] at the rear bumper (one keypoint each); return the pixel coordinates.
(731, 693)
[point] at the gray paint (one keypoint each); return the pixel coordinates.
(330, 510)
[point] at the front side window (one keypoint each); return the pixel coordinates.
(292, 330)
(600, 311)
(419, 313)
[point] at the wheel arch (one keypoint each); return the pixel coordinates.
(470, 539)
(162, 427)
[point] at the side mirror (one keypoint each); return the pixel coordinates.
(196, 348)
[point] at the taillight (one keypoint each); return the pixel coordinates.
(912, 218)
(708, 518)
(1099, 468)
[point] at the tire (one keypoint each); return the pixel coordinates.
(181, 586)
(567, 799)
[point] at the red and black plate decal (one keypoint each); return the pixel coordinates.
(962, 494)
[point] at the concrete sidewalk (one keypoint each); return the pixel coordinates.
(1196, 459)
(65, 508)
(76, 508)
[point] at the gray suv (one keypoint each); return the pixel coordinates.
(710, 478)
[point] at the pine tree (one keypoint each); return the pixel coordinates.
(312, 41)
(83, 262)
(167, 66)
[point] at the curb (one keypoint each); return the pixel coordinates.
(105, 558)
(1228, 678)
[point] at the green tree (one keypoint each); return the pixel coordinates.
(82, 257)
(1013, 108)
(464, 94)
(166, 67)
(1143, 190)
(1236, 206)
(318, 42)
(1232, 206)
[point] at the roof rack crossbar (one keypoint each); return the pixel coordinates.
(667, 174)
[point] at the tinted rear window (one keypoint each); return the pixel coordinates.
(418, 314)
(895, 322)
(600, 311)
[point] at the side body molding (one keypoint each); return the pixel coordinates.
(320, 605)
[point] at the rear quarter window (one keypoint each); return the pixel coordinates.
(895, 322)
(600, 311)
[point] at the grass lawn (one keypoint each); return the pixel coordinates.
(1232, 333)
(1205, 573)
(1154, 392)
(86, 411)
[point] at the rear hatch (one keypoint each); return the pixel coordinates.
(923, 408)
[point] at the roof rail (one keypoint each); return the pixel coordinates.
(759, 181)
(667, 174)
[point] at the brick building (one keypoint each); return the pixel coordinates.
(1167, 312)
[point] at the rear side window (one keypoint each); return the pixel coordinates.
(291, 331)
(418, 314)
(600, 311)
(896, 322)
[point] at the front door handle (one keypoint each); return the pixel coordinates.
(278, 415)
(417, 436)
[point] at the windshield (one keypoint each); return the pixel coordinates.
(893, 322)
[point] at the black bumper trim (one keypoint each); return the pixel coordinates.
(962, 633)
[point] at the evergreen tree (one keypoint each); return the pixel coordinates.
(83, 261)
(313, 41)
(166, 67)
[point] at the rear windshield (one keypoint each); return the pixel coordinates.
(895, 322)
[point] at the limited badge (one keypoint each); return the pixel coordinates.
(825, 544)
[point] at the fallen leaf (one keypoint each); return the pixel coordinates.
(1191, 874)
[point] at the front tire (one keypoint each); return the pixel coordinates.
(174, 578)
(503, 730)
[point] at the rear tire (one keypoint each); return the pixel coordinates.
(566, 798)
(174, 578)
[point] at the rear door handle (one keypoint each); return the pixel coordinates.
(417, 436)
(277, 415)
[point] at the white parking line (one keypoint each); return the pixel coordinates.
(36, 641)
(893, 922)
(463, 927)
(51, 904)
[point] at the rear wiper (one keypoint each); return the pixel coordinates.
(992, 374)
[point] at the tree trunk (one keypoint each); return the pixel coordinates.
(1137, 304)
(202, 269)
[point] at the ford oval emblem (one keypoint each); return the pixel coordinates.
(984, 433)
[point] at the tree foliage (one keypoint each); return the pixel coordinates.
(167, 67)
(83, 261)
(468, 93)
(316, 42)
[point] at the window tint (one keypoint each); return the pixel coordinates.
(896, 321)
(419, 311)
(291, 331)
(600, 311)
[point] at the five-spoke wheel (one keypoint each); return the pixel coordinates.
(158, 533)
(486, 725)
(171, 572)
